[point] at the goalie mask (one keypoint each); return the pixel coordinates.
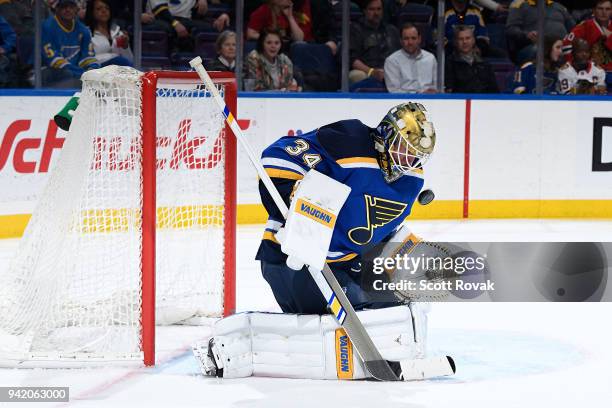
(405, 140)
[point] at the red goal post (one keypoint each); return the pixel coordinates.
(150, 83)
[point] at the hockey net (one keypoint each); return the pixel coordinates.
(136, 224)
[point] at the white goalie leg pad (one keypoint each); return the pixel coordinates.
(309, 346)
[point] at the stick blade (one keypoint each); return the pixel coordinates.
(422, 369)
(381, 370)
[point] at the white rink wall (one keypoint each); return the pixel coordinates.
(525, 157)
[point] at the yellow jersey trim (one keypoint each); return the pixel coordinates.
(269, 235)
(64, 29)
(160, 9)
(286, 174)
(344, 258)
(357, 160)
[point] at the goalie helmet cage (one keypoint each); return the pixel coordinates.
(122, 237)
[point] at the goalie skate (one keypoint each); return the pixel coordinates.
(208, 357)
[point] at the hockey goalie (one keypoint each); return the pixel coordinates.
(348, 188)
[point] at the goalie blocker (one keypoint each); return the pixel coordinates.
(309, 346)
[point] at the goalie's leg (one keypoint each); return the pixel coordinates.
(305, 346)
(296, 291)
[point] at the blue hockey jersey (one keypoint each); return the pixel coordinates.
(344, 151)
(525, 80)
(8, 38)
(67, 46)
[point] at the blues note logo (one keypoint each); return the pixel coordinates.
(379, 212)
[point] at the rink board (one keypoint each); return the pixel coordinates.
(502, 157)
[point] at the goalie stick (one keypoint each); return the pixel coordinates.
(337, 302)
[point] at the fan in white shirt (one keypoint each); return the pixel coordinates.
(110, 43)
(411, 69)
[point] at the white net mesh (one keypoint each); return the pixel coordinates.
(73, 289)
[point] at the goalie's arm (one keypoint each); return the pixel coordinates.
(284, 187)
(284, 162)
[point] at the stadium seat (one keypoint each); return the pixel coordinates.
(501, 64)
(504, 70)
(180, 60)
(415, 13)
(215, 10)
(355, 13)
(25, 49)
(500, 18)
(503, 79)
(312, 57)
(317, 65)
(497, 35)
(155, 63)
(154, 44)
(204, 47)
(206, 36)
(249, 46)
(427, 40)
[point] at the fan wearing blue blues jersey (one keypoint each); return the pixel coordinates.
(383, 168)
(67, 47)
(525, 78)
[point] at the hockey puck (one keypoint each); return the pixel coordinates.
(426, 197)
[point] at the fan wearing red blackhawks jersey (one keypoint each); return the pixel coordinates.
(596, 31)
(383, 167)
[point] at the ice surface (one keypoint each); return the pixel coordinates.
(508, 354)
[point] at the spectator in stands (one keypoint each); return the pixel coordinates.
(226, 52)
(223, 21)
(492, 5)
(293, 21)
(8, 61)
(123, 12)
(579, 9)
(393, 6)
(67, 49)
(597, 31)
(252, 5)
(18, 13)
(371, 42)
(323, 24)
(111, 44)
(522, 25)
(267, 68)
(525, 78)
(411, 69)
(465, 70)
(175, 17)
(462, 13)
(582, 75)
(81, 5)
